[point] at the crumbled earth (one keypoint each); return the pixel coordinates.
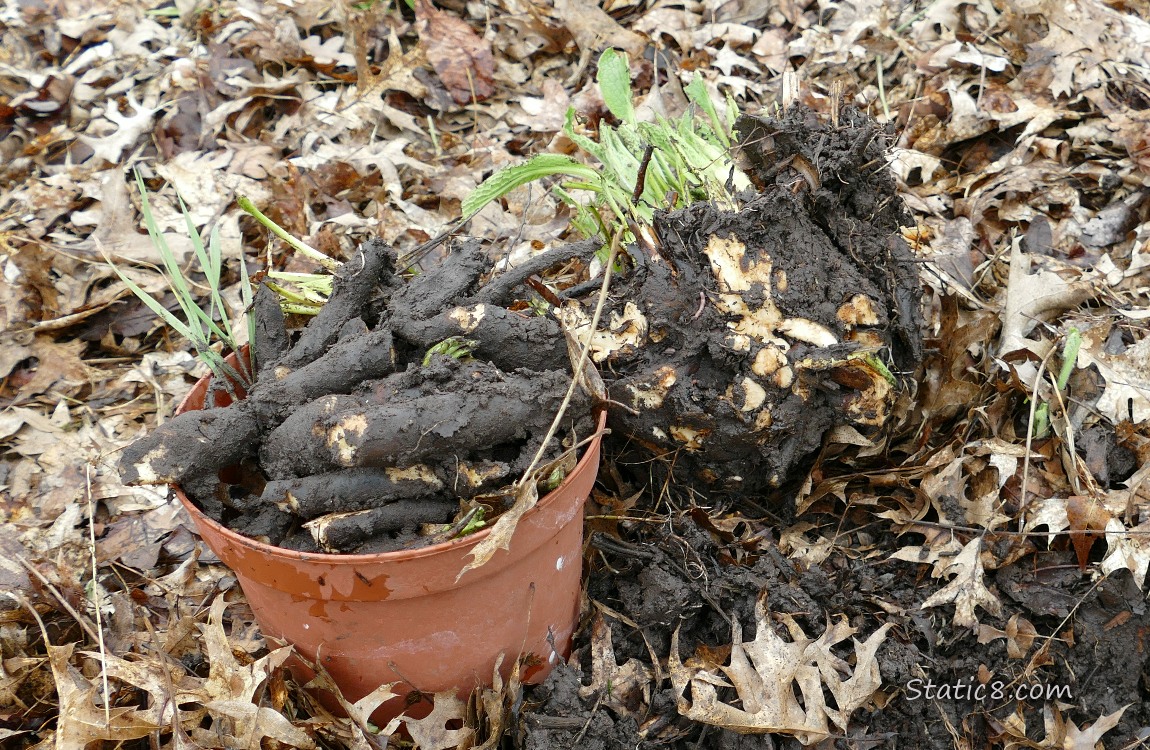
(675, 574)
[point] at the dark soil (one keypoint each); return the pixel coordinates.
(684, 538)
(740, 333)
(356, 438)
(676, 574)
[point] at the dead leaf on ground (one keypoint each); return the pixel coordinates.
(461, 59)
(1029, 296)
(81, 719)
(1127, 376)
(1129, 549)
(254, 725)
(967, 590)
(595, 30)
(768, 671)
(1088, 739)
(1086, 517)
(431, 732)
(359, 712)
(624, 688)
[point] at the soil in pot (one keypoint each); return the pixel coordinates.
(396, 419)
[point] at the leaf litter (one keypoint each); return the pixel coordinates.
(1021, 152)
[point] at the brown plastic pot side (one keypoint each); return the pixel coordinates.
(401, 616)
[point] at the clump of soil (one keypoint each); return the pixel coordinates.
(358, 439)
(742, 335)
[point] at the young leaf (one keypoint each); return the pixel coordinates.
(614, 81)
(696, 91)
(507, 179)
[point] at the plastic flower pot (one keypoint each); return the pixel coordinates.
(401, 616)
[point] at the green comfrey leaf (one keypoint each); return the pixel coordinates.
(507, 179)
(555, 478)
(614, 79)
(620, 165)
(456, 347)
(476, 523)
(696, 91)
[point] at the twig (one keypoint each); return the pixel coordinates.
(95, 595)
(80, 619)
(594, 709)
(1023, 500)
(641, 178)
(584, 355)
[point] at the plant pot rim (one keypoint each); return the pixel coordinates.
(396, 555)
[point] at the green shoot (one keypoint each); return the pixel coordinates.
(198, 326)
(690, 160)
(452, 346)
(555, 478)
(300, 293)
(476, 523)
(1070, 347)
(304, 249)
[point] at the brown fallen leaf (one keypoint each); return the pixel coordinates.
(1087, 517)
(770, 673)
(1029, 296)
(624, 688)
(431, 732)
(1088, 739)
(255, 723)
(595, 30)
(58, 367)
(81, 718)
(1128, 549)
(461, 59)
(967, 590)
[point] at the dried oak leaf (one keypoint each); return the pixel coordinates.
(594, 29)
(229, 680)
(359, 712)
(431, 732)
(1073, 738)
(1031, 296)
(1127, 376)
(1086, 517)
(461, 59)
(765, 673)
(81, 720)
(625, 688)
(1129, 549)
(255, 723)
(967, 590)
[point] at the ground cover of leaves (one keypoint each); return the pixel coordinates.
(958, 545)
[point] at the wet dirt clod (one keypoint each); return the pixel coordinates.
(745, 333)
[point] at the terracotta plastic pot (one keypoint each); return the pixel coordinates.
(401, 616)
